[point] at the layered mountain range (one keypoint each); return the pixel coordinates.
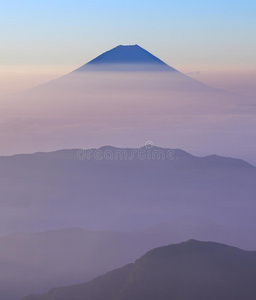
(190, 270)
(117, 203)
(150, 195)
(36, 262)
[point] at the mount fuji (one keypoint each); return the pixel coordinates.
(125, 97)
(126, 58)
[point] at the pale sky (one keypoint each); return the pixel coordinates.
(213, 41)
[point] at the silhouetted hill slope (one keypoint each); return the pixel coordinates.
(35, 262)
(190, 270)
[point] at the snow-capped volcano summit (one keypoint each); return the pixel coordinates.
(126, 58)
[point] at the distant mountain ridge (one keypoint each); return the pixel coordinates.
(190, 270)
(148, 152)
(126, 58)
(134, 188)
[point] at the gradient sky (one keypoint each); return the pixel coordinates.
(41, 40)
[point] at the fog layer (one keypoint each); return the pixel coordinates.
(87, 109)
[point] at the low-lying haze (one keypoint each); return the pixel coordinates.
(91, 109)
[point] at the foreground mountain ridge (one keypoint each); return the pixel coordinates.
(189, 270)
(59, 257)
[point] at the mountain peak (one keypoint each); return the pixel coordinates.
(135, 45)
(126, 58)
(190, 270)
(191, 246)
